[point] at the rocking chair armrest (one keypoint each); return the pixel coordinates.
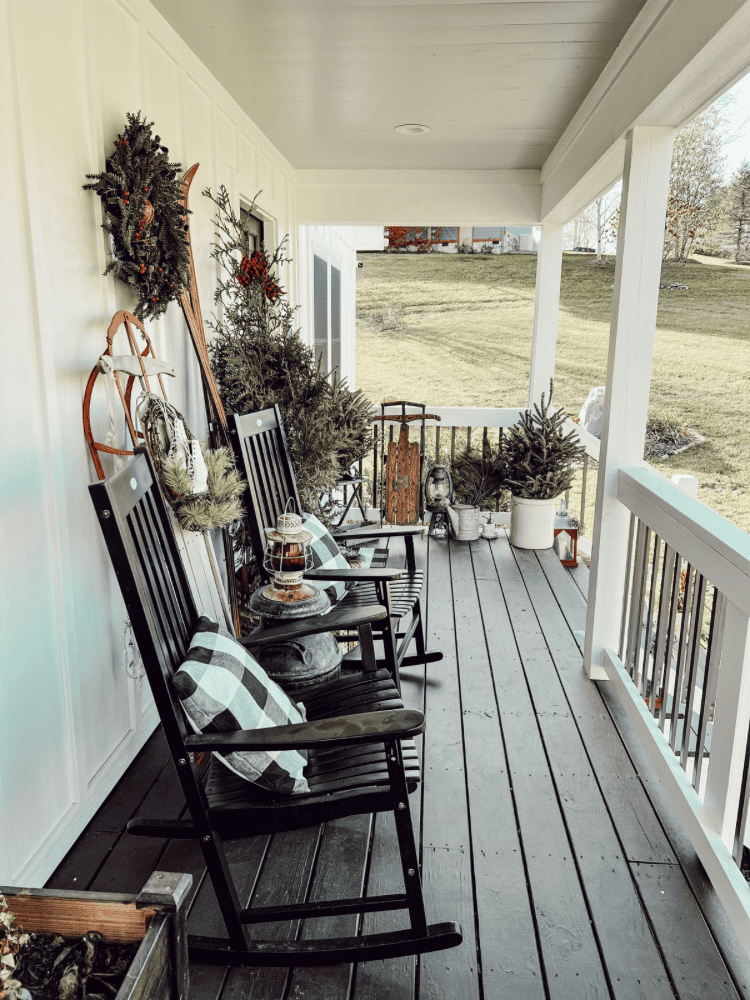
(355, 574)
(341, 731)
(388, 531)
(335, 620)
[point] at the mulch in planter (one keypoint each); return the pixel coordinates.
(51, 967)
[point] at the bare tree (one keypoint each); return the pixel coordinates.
(592, 225)
(579, 232)
(606, 207)
(695, 182)
(737, 212)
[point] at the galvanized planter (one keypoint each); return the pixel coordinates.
(155, 918)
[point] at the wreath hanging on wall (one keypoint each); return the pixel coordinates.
(203, 489)
(145, 218)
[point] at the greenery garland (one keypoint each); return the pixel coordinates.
(145, 218)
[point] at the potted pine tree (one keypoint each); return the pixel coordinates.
(540, 461)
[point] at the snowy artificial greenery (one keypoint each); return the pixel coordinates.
(144, 215)
(540, 458)
(478, 476)
(219, 506)
(258, 358)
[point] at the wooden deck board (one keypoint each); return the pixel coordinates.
(508, 948)
(535, 826)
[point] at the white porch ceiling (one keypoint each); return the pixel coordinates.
(327, 81)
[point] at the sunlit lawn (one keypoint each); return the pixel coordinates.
(466, 341)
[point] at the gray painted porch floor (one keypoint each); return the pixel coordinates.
(537, 828)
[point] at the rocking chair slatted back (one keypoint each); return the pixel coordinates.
(262, 443)
(147, 565)
(264, 449)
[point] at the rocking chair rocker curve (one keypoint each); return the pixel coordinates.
(361, 757)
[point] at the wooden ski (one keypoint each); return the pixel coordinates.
(218, 428)
(191, 307)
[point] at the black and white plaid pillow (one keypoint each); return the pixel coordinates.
(327, 555)
(222, 689)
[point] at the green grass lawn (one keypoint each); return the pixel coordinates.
(455, 330)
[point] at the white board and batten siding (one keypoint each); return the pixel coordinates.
(326, 266)
(370, 238)
(71, 719)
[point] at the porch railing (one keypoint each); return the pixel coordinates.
(682, 669)
(461, 427)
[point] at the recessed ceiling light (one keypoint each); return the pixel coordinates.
(411, 129)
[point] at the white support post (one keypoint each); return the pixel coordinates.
(546, 310)
(465, 234)
(728, 742)
(648, 157)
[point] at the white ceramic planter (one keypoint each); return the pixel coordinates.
(532, 523)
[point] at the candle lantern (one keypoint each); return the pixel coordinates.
(287, 556)
(309, 659)
(565, 541)
(438, 491)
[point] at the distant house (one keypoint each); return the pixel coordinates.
(504, 239)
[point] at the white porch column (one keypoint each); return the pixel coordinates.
(648, 156)
(546, 310)
(465, 234)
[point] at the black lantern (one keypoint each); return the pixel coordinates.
(438, 494)
(438, 489)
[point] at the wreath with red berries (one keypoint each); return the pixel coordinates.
(144, 216)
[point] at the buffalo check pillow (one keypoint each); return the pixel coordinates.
(222, 689)
(327, 555)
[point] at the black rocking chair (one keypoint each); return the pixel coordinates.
(261, 440)
(361, 755)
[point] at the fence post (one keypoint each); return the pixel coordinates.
(729, 738)
(546, 310)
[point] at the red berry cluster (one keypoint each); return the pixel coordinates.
(142, 268)
(126, 197)
(255, 268)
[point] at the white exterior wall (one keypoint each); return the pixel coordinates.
(338, 246)
(70, 718)
(370, 238)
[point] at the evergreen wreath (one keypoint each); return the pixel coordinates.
(145, 218)
(219, 506)
(203, 489)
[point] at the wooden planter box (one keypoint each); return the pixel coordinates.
(155, 918)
